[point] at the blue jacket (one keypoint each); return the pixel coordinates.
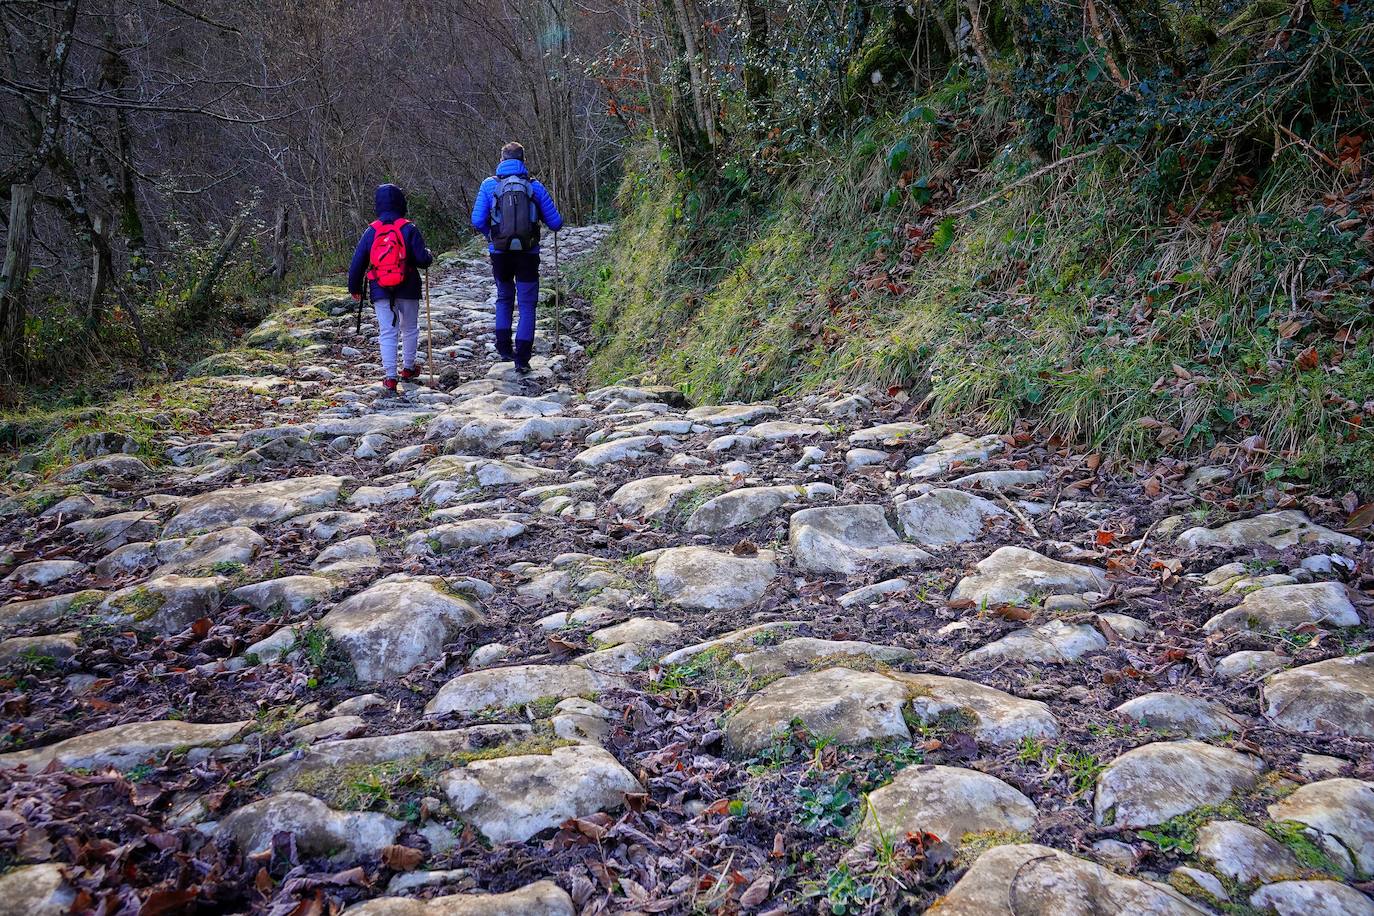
(486, 201)
(391, 206)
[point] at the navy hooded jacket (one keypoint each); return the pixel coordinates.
(486, 201)
(391, 206)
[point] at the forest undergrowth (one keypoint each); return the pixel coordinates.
(1176, 275)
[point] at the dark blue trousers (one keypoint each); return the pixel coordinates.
(517, 282)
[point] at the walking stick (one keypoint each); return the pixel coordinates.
(358, 325)
(429, 334)
(557, 297)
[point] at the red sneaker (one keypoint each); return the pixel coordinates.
(409, 374)
(389, 384)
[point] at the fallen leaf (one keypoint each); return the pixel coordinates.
(1012, 612)
(402, 858)
(757, 892)
(1307, 359)
(1363, 517)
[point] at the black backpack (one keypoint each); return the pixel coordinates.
(515, 217)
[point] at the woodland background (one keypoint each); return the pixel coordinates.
(1145, 225)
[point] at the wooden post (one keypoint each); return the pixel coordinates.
(279, 244)
(100, 269)
(12, 277)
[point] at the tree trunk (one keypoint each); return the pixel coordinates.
(196, 303)
(15, 271)
(756, 83)
(100, 271)
(279, 252)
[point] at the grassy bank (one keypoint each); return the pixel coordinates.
(1093, 301)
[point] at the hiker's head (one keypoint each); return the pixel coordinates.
(512, 150)
(391, 202)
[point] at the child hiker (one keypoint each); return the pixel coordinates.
(389, 256)
(508, 210)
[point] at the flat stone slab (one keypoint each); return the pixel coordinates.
(48, 610)
(999, 718)
(1311, 898)
(1027, 879)
(43, 573)
(1331, 697)
(949, 802)
(123, 746)
(731, 414)
(1249, 662)
(848, 540)
(477, 471)
(846, 705)
(1338, 815)
(382, 423)
(318, 829)
(1015, 575)
(802, 652)
(511, 799)
(292, 593)
(1287, 607)
(999, 481)
(655, 497)
(112, 531)
(1288, 528)
(943, 517)
(1150, 784)
(542, 898)
(747, 637)
(255, 504)
(36, 890)
(397, 624)
(781, 430)
(516, 685)
(50, 646)
(956, 449)
(167, 604)
(1196, 718)
(888, 434)
(642, 630)
(1054, 643)
(631, 448)
(473, 532)
(702, 579)
(199, 555)
(282, 772)
(1244, 854)
(749, 504)
(489, 434)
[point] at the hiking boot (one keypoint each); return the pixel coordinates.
(504, 352)
(408, 374)
(523, 349)
(389, 384)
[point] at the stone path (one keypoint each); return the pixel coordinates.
(509, 645)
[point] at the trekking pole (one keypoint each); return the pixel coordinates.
(358, 325)
(557, 297)
(429, 334)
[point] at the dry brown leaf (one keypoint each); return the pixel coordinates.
(402, 858)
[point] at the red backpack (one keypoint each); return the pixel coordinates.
(388, 255)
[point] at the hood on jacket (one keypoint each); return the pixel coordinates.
(391, 202)
(510, 167)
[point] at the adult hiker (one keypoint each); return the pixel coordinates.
(509, 207)
(388, 259)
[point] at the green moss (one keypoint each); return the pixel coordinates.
(391, 786)
(1072, 309)
(1309, 855)
(974, 845)
(140, 604)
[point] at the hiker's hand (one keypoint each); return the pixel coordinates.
(357, 297)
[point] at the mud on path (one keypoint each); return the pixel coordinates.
(510, 645)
